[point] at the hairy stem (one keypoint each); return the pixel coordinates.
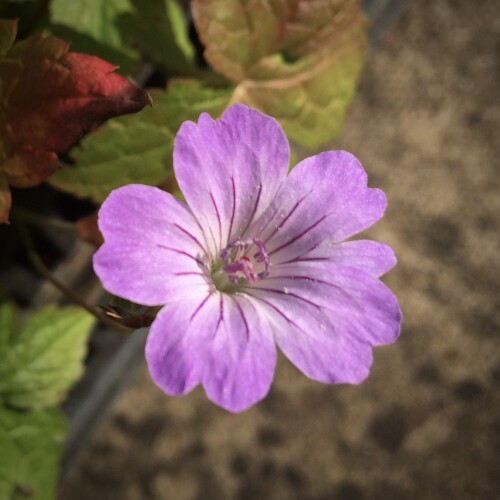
(42, 220)
(42, 269)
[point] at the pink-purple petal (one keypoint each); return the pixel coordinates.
(230, 169)
(153, 246)
(356, 302)
(331, 361)
(370, 256)
(178, 342)
(312, 342)
(242, 356)
(334, 314)
(220, 341)
(324, 199)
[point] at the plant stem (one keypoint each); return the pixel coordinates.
(42, 220)
(42, 269)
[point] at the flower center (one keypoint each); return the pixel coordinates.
(243, 261)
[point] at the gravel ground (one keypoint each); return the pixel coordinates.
(426, 423)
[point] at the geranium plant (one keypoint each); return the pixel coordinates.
(203, 228)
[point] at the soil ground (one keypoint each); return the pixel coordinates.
(426, 423)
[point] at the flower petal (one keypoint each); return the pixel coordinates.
(220, 341)
(370, 256)
(328, 318)
(242, 357)
(324, 199)
(177, 344)
(355, 301)
(230, 169)
(306, 336)
(153, 246)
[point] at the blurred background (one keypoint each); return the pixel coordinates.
(426, 423)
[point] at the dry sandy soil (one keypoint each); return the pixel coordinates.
(426, 423)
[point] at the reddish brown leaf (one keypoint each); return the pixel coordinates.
(48, 99)
(4, 199)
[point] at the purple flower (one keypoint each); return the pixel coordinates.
(256, 258)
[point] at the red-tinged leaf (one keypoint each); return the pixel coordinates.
(48, 99)
(88, 230)
(296, 60)
(29, 166)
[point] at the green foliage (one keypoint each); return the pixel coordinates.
(159, 29)
(93, 27)
(137, 148)
(42, 358)
(30, 449)
(294, 62)
(117, 30)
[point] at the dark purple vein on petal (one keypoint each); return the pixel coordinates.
(218, 219)
(205, 236)
(189, 235)
(181, 252)
(243, 317)
(221, 315)
(213, 236)
(270, 219)
(296, 277)
(295, 238)
(200, 305)
(233, 210)
(340, 289)
(301, 259)
(288, 294)
(279, 311)
(254, 211)
(283, 315)
(282, 223)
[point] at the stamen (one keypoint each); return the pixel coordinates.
(244, 261)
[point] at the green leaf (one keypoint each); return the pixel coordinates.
(295, 60)
(93, 27)
(31, 446)
(42, 358)
(137, 148)
(159, 29)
